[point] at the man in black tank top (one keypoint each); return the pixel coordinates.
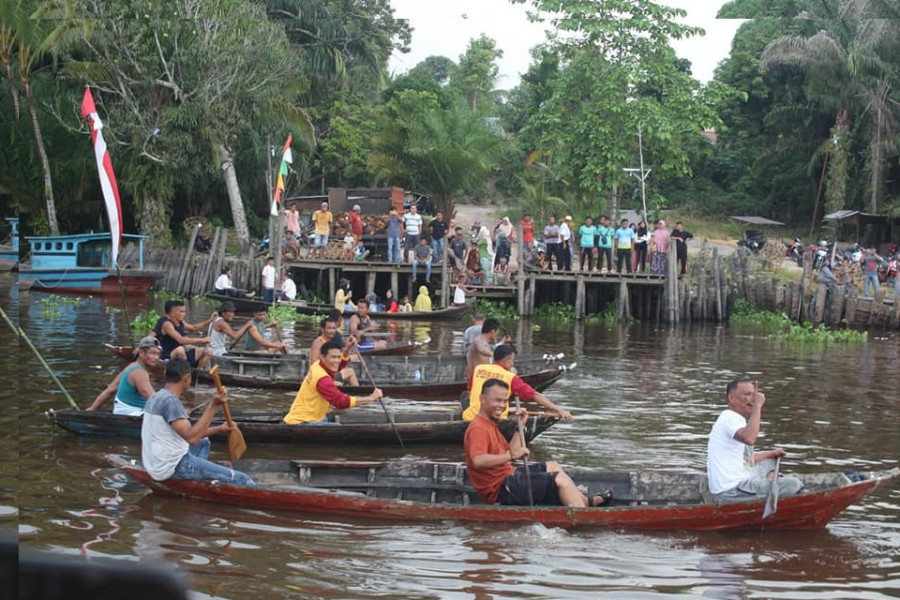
(170, 331)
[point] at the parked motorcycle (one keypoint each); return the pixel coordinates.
(794, 250)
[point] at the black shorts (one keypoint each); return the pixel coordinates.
(514, 490)
(191, 354)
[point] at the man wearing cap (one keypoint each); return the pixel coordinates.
(220, 329)
(131, 387)
(565, 243)
(356, 224)
(322, 219)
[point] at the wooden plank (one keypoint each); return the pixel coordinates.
(821, 291)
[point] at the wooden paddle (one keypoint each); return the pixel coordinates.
(236, 444)
(772, 498)
(524, 459)
(381, 400)
(278, 337)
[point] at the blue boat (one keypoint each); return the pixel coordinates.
(9, 253)
(80, 264)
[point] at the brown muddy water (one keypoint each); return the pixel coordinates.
(644, 397)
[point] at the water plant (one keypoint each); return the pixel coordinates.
(497, 309)
(143, 323)
(745, 313)
(284, 312)
(51, 306)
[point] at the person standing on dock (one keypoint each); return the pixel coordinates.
(659, 246)
(318, 394)
(604, 244)
(356, 224)
(681, 238)
(267, 278)
(552, 240)
(412, 223)
(170, 330)
(292, 221)
(871, 261)
(489, 457)
(586, 234)
(394, 233)
(503, 369)
(565, 243)
(439, 228)
(131, 386)
(322, 219)
(527, 225)
(174, 448)
(624, 241)
(640, 247)
(733, 469)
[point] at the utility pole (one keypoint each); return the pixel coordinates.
(641, 173)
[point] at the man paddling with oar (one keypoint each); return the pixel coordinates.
(733, 469)
(318, 394)
(489, 457)
(174, 448)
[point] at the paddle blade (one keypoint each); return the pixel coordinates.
(236, 444)
(772, 498)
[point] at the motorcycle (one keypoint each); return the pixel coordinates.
(795, 251)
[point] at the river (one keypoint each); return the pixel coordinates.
(643, 396)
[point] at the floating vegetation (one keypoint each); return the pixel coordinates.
(144, 322)
(558, 311)
(497, 309)
(285, 312)
(51, 306)
(165, 295)
(744, 313)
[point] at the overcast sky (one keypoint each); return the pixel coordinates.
(445, 27)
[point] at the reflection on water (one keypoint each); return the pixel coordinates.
(644, 397)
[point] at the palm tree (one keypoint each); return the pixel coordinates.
(848, 74)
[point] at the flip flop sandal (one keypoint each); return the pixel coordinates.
(600, 499)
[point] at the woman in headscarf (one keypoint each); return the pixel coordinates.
(506, 227)
(423, 300)
(390, 303)
(486, 250)
(659, 245)
(504, 249)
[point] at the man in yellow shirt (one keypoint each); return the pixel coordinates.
(501, 368)
(322, 219)
(318, 394)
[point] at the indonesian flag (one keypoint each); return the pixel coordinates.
(107, 176)
(286, 158)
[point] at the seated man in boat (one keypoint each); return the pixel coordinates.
(220, 330)
(131, 387)
(328, 333)
(224, 285)
(473, 331)
(361, 324)
(733, 469)
(502, 369)
(489, 457)
(256, 341)
(481, 350)
(170, 331)
(174, 448)
(318, 394)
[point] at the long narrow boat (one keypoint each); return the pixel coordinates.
(241, 305)
(440, 314)
(349, 427)
(431, 377)
(435, 491)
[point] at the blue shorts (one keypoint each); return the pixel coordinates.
(321, 241)
(366, 346)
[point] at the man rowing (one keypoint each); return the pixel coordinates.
(482, 349)
(489, 457)
(502, 369)
(170, 330)
(174, 448)
(256, 341)
(220, 330)
(733, 469)
(131, 386)
(318, 394)
(361, 323)
(328, 333)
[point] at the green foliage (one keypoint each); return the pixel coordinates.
(555, 311)
(744, 313)
(167, 295)
(50, 307)
(143, 323)
(497, 309)
(281, 312)
(474, 76)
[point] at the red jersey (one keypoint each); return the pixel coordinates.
(484, 437)
(527, 231)
(356, 224)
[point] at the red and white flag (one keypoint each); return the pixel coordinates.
(107, 176)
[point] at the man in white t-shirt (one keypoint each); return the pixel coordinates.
(733, 469)
(412, 223)
(288, 289)
(268, 280)
(174, 448)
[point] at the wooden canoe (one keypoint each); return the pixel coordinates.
(411, 490)
(439, 314)
(430, 377)
(241, 305)
(350, 427)
(394, 348)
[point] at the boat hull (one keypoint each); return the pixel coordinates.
(346, 428)
(440, 491)
(441, 314)
(100, 282)
(241, 305)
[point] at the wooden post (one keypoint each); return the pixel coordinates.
(837, 305)
(821, 292)
(275, 246)
(624, 311)
(672, 285)
(370, 281)
(579, 296)
(209, 277)
(220, 255)
(718, 281)
(520, 291)
(532, 283)
(187, 260)
(446, 284)
(331, 285)
(395, 284)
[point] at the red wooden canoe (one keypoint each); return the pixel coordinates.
(427, 491)
(394, 348)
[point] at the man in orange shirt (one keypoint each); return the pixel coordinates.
(489, 457)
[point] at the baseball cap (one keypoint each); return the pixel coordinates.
(356, 207)
(148, 342)
(228, 305)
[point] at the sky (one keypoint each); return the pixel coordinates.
(444, 28)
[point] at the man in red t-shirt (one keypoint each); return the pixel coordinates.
(356, 224)
(527, 226)
(489, 457)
